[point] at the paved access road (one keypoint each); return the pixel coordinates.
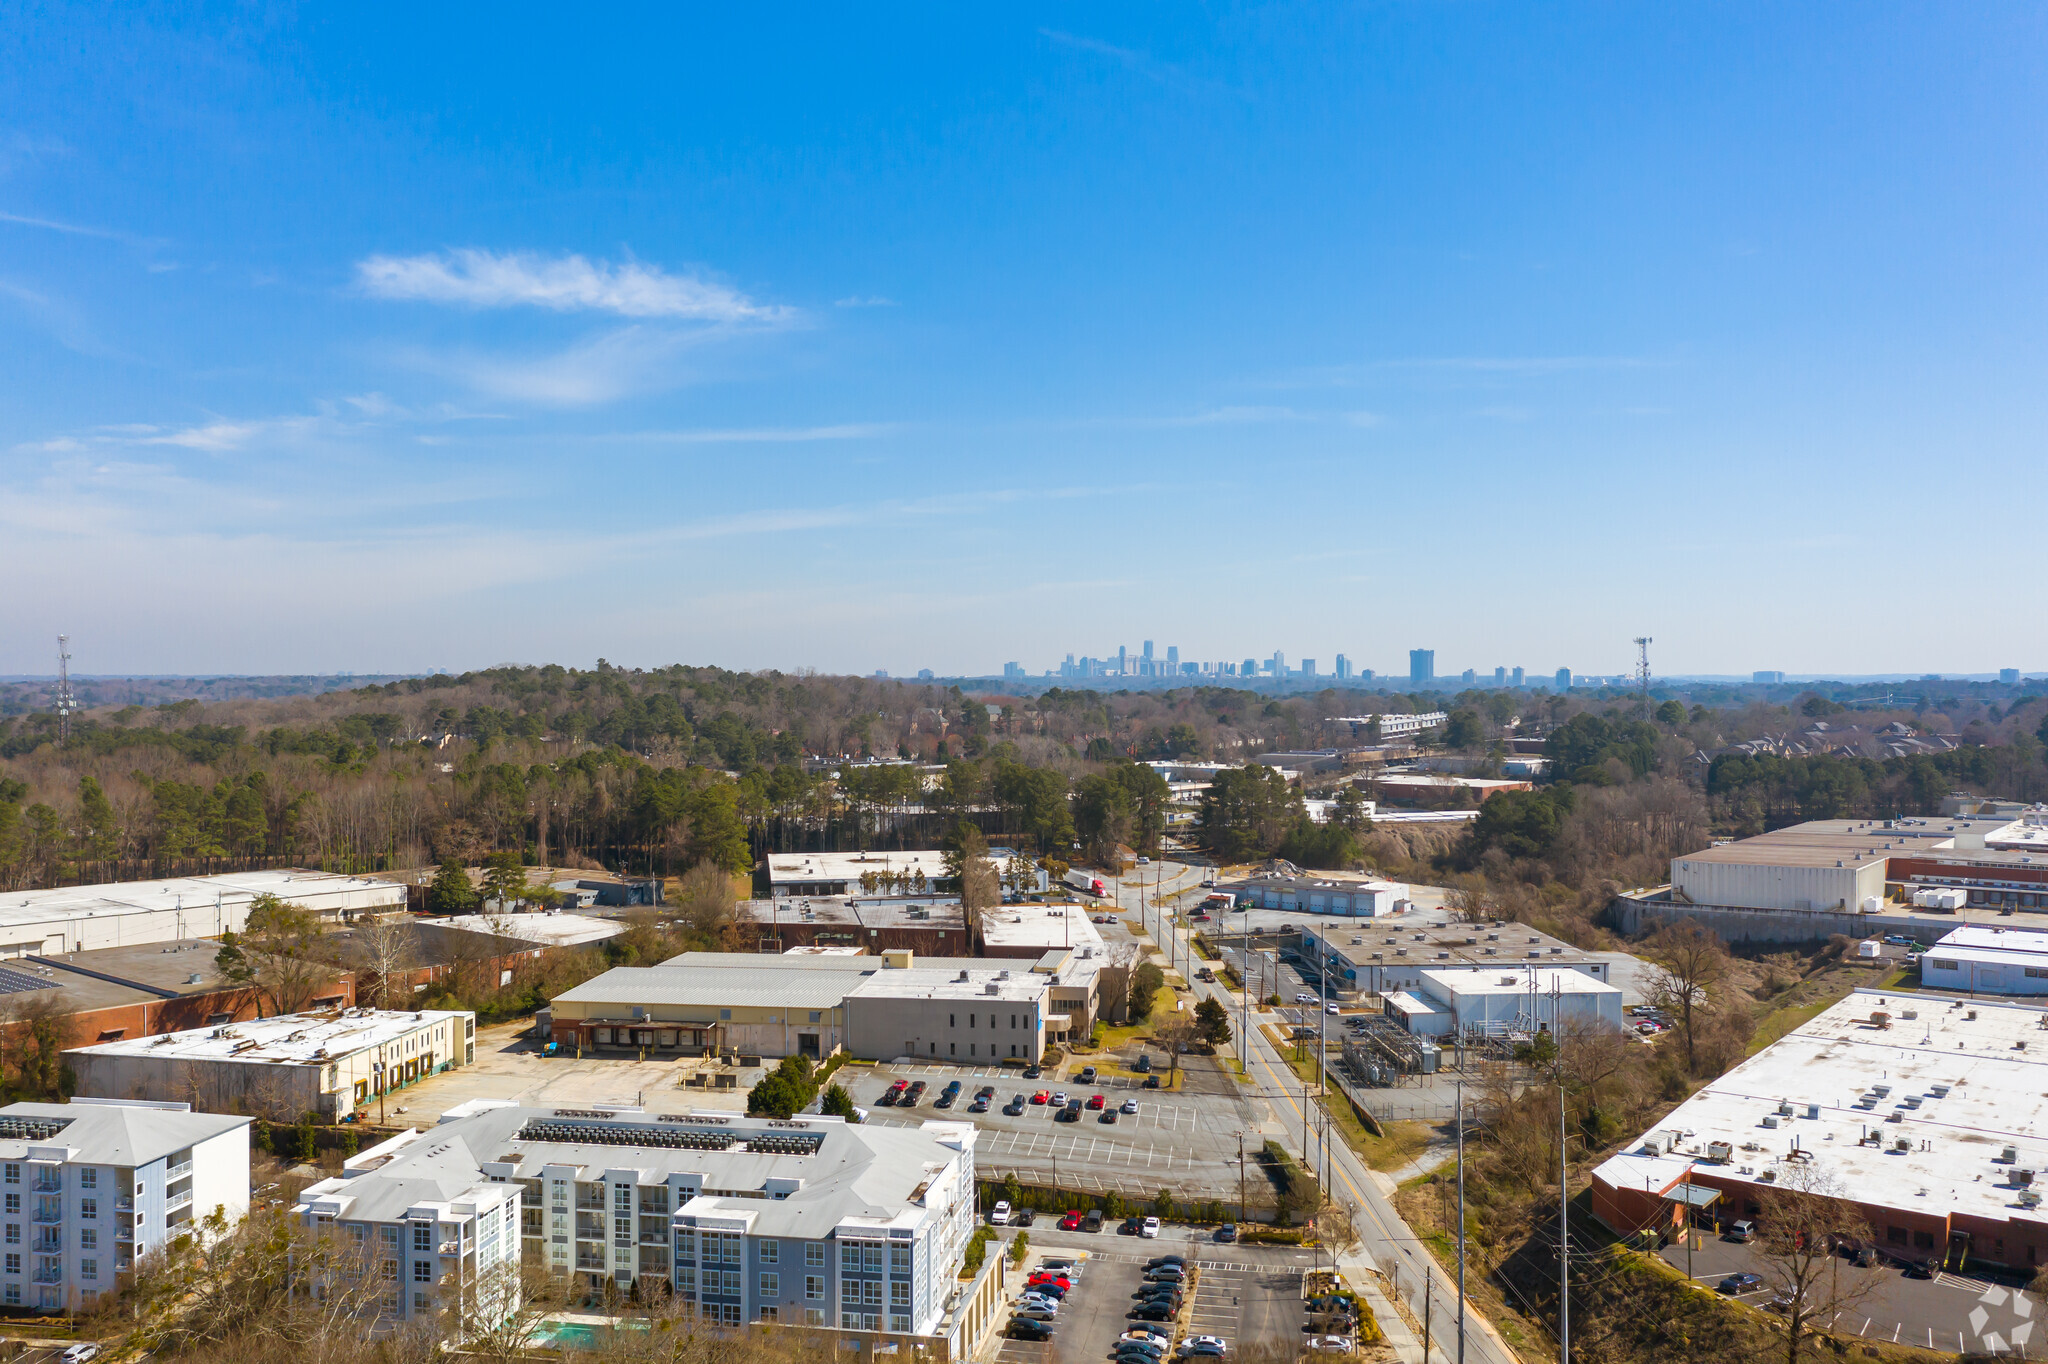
(1386, 1240)
(1950, 1312)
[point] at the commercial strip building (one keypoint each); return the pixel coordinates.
(1392, 725)
(1925, 1111)
(1386, 958)
(333, 1064)
(116, 992)
(1324, 893)
(814, 1004)
(544, 928)
(1988, 959)
(807, 1222)
(899, 872)
(93, 1185)
(931, 925)
(1437, 787)
(66, 919)
(1502, 1001)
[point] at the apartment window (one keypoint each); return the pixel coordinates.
(88, 1269)
(422, 1271)
(686, 1243)
(14, 1262)
(814, 1255)
(88, 1177)
(899, 1259)
(729, 1284)
(14, 1202)
(899, 1293)
(88, 1207)
(849, 1259)
(813, 1316)
(849, 1321)
(389, 1236)
(771, 1314)
(13, 1173)
(771, 1252)
(622, 1230)
(14, 1233)
(899, 1323)
(388, 1269)
(771, 1285)
(422, 1236)
(88, 1239)
(871, 1292)
(622, 1197)
(422, 1302)
(558, 1190)
(814, 1287)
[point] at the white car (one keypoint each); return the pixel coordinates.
(1330, 1009)
(1150, 1229)
(1329, 1345)
(80, 1353)
(1204, 1345)
(1304, 998)
(999, 1216)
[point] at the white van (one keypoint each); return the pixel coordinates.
(999, 1216)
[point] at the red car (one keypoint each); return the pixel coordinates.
(1096, 1102)
(1072, 1221)
(1055, 1280)
(1042, 1096)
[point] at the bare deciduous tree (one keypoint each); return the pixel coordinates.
(1691, 964)
(1805, 1222)
(386, 953)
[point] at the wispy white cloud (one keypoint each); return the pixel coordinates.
(69, 229)
(513, 279)
(773, 435)
(864, 301)
(598, 369)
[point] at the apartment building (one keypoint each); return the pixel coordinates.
(88, 1187)
(806, 1222)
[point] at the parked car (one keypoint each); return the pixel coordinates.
(999, 1215)
(80, 1353)
(1328, 1345)
(1166, 1273)
(1129, 1227)
(1151, 1082)
(985, 1092)
(1158, 1260)
(1032, 1310)
(980, 1105)
(1739, 1231)
(1143, 1065)
(1303, 1030)
(1092, 1221)
(1129, 1106)
(1015, 1105)
(1068, 1114)
(1029, 1328)
(1150, 1231)
(1152, 1311)
(1032, 1072)
(1331, 1009)
(1087, 1075)
(1072, 1221)
(1741, 1283)
(1108, 1117)
(1146, 1330)
(1096, 1102)
(1023, 1217)
(1059, 1096)
(1140, 1351)
(945, 1099)
(1216, 1345)
(1227, 1232)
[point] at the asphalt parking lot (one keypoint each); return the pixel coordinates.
(1248, 1295)
(1963, 1313)
(1186, 1141)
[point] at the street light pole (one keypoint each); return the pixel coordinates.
(1461, 1219)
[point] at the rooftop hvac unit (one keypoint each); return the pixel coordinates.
(1813, 1110)
(1770, 1120)
(2030, 1198)
(1784, 1108)
(1940, 1091)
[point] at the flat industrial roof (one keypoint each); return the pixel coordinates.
(307, 1039)
(1962, 1078)
(1857, 842)
(1019, 984)
(760, 986)
(1045, 926)
(2011, 942)
(842, 866)
(548, 929)
(1515, 980)
(191, 892)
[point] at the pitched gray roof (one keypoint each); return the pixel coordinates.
(117, 1134)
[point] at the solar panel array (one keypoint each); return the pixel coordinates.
(13, 982)
(672, 1138)
(31, 1129)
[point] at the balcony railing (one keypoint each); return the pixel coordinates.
(182, 1199)
(125, 1235)
(125, 1203)
(49, 1216)
(48, 1245)
(178, 1171)
(50, 1274)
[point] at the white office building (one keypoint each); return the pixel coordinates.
(88, 1187)
(123, 913)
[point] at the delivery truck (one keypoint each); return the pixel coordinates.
(1086, 882)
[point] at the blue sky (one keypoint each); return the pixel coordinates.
(384, 339)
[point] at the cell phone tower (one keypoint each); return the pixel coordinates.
(1643, 643)
(66, 701)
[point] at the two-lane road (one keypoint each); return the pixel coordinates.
(1385, 1240)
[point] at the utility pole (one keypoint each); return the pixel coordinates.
(1461, 1219)
(1428, 1307)
(66, 700)
(1564, 1200)
(1240, 1178)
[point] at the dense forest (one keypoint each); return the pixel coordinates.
(661, 769)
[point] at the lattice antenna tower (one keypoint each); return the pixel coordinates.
(1643, 643)
(66, 700)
